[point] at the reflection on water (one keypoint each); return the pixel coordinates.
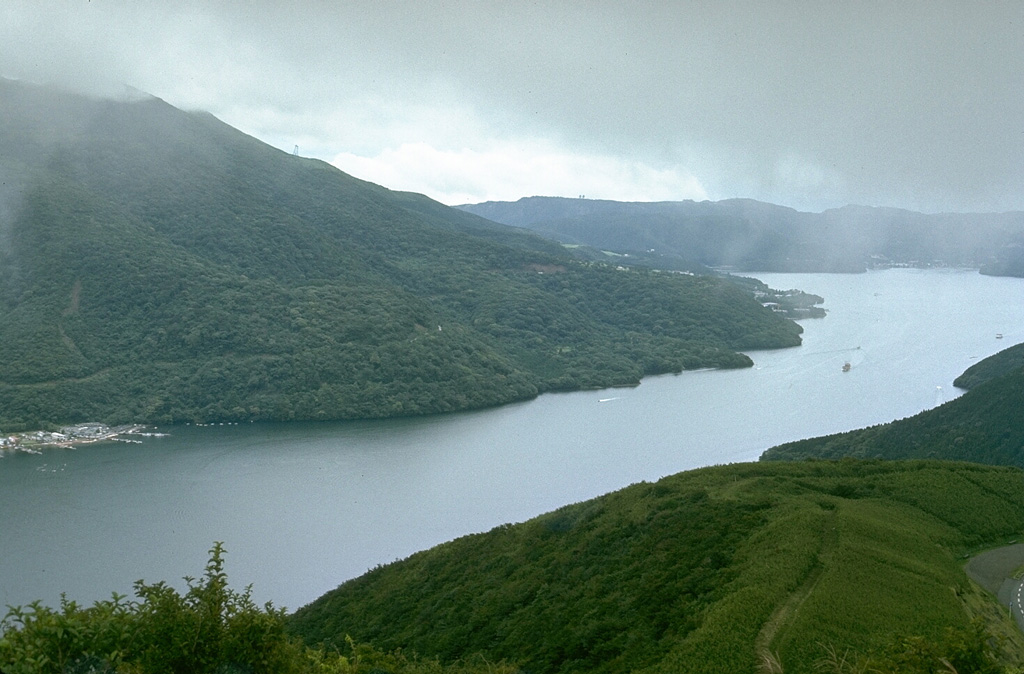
(302, 507)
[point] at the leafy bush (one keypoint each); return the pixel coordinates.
(210, 629)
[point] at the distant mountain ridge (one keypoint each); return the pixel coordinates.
(160, 266)
(755, 236)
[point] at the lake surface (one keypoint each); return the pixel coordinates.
(303, 507)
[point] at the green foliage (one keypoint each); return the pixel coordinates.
(162, 267)
(365, 659)
(712, 570)
(526, 600)
(38, 639)
(208, 629)
(965, 650)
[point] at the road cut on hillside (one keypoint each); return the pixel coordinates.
(1001, 572)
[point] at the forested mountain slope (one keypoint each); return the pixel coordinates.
(790, 567)
(994, 366)
(756, 236)
(158, 265)
(985, 425)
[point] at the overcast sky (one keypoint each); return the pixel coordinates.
(812, 105)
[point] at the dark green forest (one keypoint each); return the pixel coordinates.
(159, 266)
(985, 425)
(995, 366)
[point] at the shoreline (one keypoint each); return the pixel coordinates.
(70, 437)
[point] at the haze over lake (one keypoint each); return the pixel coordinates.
(302, 507)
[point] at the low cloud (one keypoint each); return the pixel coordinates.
(510, 172)
(810, 105)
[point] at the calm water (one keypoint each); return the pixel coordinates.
(302, 507)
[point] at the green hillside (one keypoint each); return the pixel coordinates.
(985, 425)
(160, 266)
(992, 367)
(721, 569)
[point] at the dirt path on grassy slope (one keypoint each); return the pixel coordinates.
(992, 569)
(788, 608)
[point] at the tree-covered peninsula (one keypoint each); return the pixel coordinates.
(161, 266)
(985, 425)
(993, 367)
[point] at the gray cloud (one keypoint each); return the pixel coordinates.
(912, 104)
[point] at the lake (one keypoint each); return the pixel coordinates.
(302, 507)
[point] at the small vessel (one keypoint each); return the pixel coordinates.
(846, 367)
(999, 335)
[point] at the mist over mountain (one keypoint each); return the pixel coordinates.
(158, 265)
(755, 236)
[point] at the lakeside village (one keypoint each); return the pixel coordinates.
(70, 437)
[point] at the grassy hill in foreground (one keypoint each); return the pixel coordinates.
(985, 425)
(722, 569)
(161, 266)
